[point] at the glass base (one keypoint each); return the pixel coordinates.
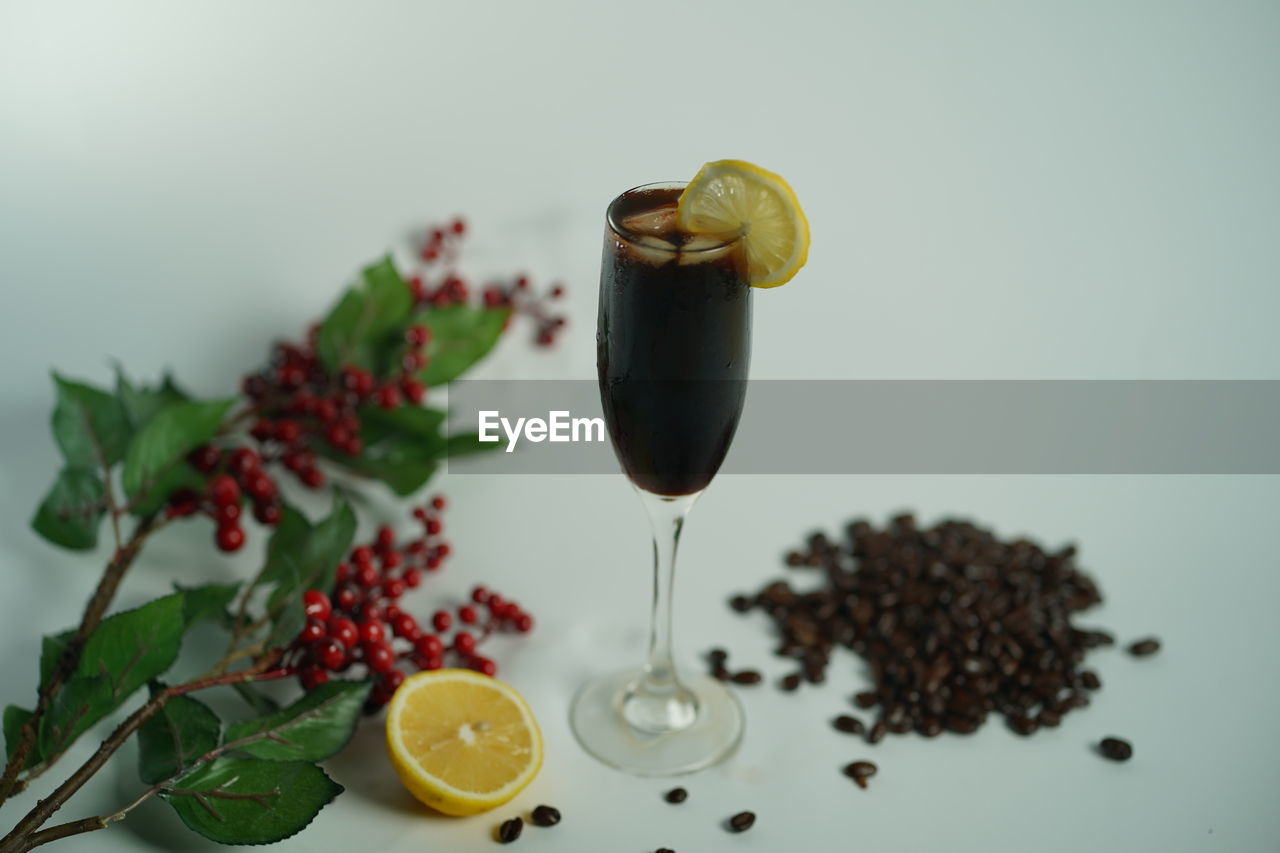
(599, 724)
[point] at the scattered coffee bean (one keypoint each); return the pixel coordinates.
(742, 821)
(860, 772)
(676, 795)
(866, 699)
(664, 850)
(717, 656)
(848, 725)
(1089, 680)
(1145, 647)
(747, 676)
(790, 682)
(741, 603)
(877, 731)
(1116, 749)
(510, 830)
(546, 816)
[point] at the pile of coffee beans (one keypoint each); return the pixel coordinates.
(954, 624)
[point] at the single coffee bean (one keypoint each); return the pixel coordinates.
(510, 830)
(1116, 749)
(741, 603)
(1089, 680)
(790, 682)
(849, 725)
(664, 850)
(1022, 725)
(860, 772)
(866, 699)
(747, 677)
(877, 732)
(717, 656)
(742, 821)
(676, 795)
(1144, 648)
(546, 816)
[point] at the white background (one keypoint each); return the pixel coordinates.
(997, 190)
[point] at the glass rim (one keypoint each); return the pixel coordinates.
(634, 238)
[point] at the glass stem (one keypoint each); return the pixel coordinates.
(657, 702)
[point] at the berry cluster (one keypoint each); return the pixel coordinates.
(440, 248)
(232, 474)
(360, 622)
(300, 406)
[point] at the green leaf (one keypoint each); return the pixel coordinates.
(14, 719)
(180, 733)
(72, 511)
(287, 538)
(51, 648)
(208, 601)
(461, 335)
(250, 801)
(301, 552)
(167, 438)
(125, 652)
(89, 425)
(142, 403)
(402, 448)
(468, 444)
(311, 729)
(364, 318)
(257, 700)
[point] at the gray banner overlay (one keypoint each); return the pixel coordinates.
(921, 427)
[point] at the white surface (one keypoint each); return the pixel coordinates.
(997, 190)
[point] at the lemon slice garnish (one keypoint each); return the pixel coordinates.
(736, 197)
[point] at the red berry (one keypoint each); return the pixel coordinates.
(412, 577)
(496, 603)
(545, 339)
(352, 446)
(182, 503)
(388, 397)
(433, 562)
(434, 527)
(371, 631)
(357, 381)
(344, 631)
(391, 680)
(443, 550)
(302, 403)
(479, 595)
(464, 643)
(362, 554)
(430, 254)
(312, 478)
(336, 435)
(524, 623)
(467, 614)
(390, 612)
(253, 386)
(404, 625)
(226, 514)
(557, 292)
(393, 588)
(438, 503)
(368, 612)
(267, 513)
(522, 283)
(312, 631)
(326, 410)
(312, 677)
(204, 458)
(413, 361)
(259, 486)
(316, 603)
(436, 662)
(484, 665)
(458, 226)
(441, 620)
(342, 574)
(291, 375)
(243, 462)
(414, 391)
(366, 575)
(230, 537)
(391, 560)
(262, 430)
(288, 431)
(329, 654)
(429, 646)
(223, 490)
(346, 597)
(378, 657)
(386, 537)
(417, 336)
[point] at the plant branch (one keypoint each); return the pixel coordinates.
(25, 836)
(70, 658)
